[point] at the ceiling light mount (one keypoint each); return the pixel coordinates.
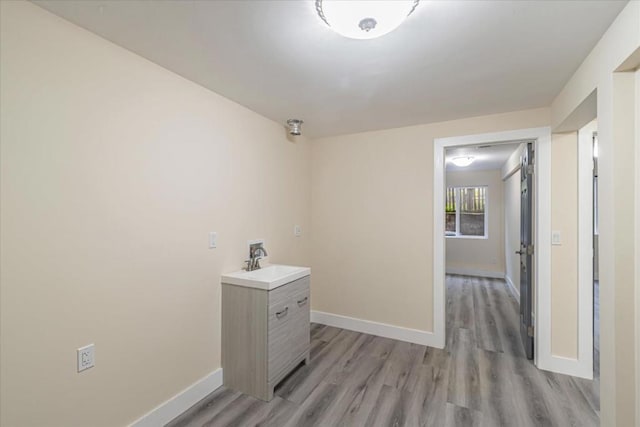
(364, 19)
(295, 126)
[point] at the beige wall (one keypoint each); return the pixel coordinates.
(114, 170)
(372, 218)
(479, 254)
(564, 257)
(624, 117)
(616, 248)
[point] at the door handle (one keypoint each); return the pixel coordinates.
(520, 252)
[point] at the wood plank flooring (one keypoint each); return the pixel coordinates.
(481, 378)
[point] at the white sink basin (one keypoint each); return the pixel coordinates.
(267, 278)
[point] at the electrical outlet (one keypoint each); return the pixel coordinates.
(213, 240)
(86, 357)
(297, 230)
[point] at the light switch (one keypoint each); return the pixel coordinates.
(297, 230)
(556, 238)
(213, 240)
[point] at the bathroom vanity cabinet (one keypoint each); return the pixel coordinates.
(265, 334)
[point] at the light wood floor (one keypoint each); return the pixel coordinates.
(480, 378)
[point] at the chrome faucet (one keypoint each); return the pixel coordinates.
(256, 252)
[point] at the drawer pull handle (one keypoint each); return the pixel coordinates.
(282, 313)
(303, 301)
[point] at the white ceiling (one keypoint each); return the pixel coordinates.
(450, 59)
(487, 157)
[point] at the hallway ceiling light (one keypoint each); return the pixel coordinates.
(463, 161)
(364, 19)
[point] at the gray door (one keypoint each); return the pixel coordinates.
(526, 248)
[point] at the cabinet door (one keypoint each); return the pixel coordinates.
(279, 348)
(288, 324)
(300, 322)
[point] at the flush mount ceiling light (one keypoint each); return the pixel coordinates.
(364, 19)
(463, 161)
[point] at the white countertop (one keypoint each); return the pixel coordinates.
(268, 277)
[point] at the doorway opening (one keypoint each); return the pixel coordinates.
(488, 257)
(589, 280)
(540, 139)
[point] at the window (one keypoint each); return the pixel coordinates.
(466, 212)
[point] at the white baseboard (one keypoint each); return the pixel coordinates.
(512, 287)
(472, 272)
(374, 328)
(182, 401)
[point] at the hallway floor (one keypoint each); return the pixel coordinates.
(480, 378)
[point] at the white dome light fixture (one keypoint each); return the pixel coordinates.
(364, 19)
(463, 161)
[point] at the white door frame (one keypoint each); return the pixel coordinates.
(542, 232)
(584, 366)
